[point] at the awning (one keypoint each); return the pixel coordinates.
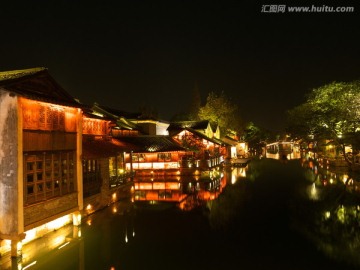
(103, 148)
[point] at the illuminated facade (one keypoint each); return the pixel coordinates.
(105, 176)
(153, 153)
(40, 147)
(203, 152)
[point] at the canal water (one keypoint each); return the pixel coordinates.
(273, 215)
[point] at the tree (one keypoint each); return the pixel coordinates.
(195, 103)
(256, 137)
(148, 112)
(219, 110)
(331, 111)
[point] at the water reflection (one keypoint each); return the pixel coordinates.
(186, 192)
(258, 217)
(330, 217)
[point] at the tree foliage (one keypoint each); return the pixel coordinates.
(221, 111)
(331, 111)
(256, 137)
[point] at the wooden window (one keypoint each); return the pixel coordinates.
(135, 157)
(164, 157)
(47, 175)
(91, 177)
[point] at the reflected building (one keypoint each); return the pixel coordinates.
(186, 192)
(334, 227)
(283, 150)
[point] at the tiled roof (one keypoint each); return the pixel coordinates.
(152, 143)
(229, 140)
(115, 112)
(189, 124)
(203, 136)
(102, 148)
(36, 84)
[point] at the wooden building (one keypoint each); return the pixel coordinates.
(153, 153)
(198, 137)
(106, 178)
(40, 165)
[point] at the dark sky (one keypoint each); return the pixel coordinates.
(127, 54)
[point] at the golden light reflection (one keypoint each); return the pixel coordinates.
(313, 194)
(63, 245)
(19, 247)
(341, 214)
(233, 179)
(29, 265)
(58, 240)
(47, 227)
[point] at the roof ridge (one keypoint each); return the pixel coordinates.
(15, 74)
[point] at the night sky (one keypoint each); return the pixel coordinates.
(127, 54)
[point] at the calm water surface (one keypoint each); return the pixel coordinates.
(282, 215)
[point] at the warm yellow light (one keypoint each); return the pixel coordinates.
(345, 177)
(30, 235)
(63, 245)
(19, 246)
(233, 179)
(88, 207)
(29, 265)
(58, 240)
(77, 219)
(58, 223)
(114, 196)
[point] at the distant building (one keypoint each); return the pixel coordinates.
(105, 176)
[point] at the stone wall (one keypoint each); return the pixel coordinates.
(41, 213)
(107, 195)
(9, 208)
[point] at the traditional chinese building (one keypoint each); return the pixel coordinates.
(160, 153)
(198, 137)
(40, 157)
(106, 178)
